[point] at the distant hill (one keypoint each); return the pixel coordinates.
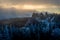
(15, 21)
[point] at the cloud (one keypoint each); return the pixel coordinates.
(10, 12)
(51, 2)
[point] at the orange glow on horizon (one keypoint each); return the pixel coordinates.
(33, 7)
(51, 8)
(24, 7)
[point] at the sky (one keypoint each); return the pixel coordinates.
(22, 8)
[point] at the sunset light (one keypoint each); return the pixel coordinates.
(24, 7)
(49, 8)
(33, 7)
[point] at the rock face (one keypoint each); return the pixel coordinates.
(41, 26)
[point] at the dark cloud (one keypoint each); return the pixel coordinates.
(52, 2)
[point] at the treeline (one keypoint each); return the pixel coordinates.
(39, 27)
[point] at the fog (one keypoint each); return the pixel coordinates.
(13, 13)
